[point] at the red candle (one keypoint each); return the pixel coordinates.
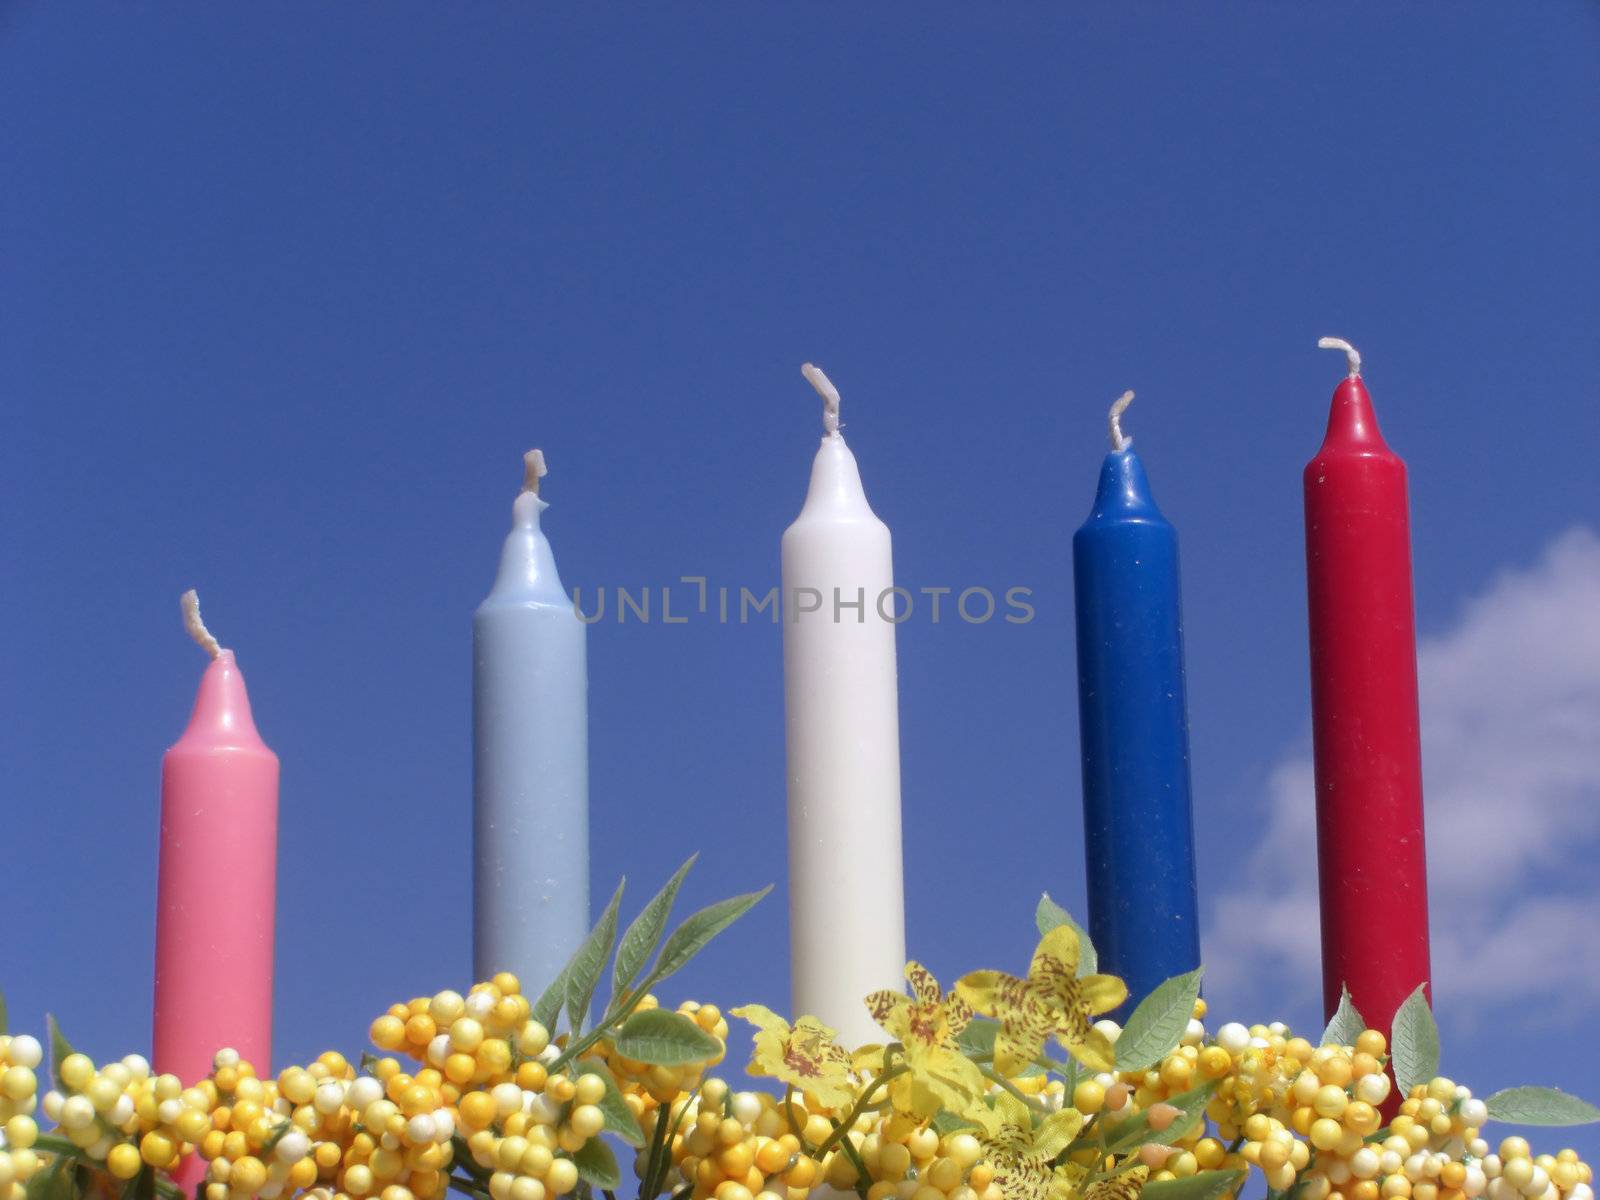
(1370, 854)
(217, 888)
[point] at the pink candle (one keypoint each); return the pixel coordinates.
(217, 890)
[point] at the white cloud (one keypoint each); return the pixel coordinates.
(1511, 766)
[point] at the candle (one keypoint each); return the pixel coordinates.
(216, 893)
(1364, 711)
(1134, 729)
(846, 901)
(530, 759)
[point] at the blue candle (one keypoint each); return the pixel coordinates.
(530, 760)
(1138, 830)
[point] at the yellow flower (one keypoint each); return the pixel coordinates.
(1024, 1154)
(1052, 1000)
(1125, 1186)
(926, 1025)
(804, 1055)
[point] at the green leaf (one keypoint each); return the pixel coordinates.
(142, 1186)
(1156, 1026)
(1540, 1106)
(60, 1048)
(977, 1039)
(665, 1039)
(643, 935)
(689, 938)
(946, 1122)
(1135, 1131)
(1049, 915)
(619, 1117)
(58, 1181)
(1204, 1185)
(1347, 1024)
(597, 1165)
(547, 1008)
(1414, 1042)
(583, 972)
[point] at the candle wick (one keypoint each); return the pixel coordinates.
(533, 470)
(190, 601)
(829, 394)
(1351, 354)
(1118, 407)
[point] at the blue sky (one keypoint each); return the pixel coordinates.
(288, 290)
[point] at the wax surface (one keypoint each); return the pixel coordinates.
(1134, 729)
(530, 727)
(217, 887)
(842, 717)
(1370, 853)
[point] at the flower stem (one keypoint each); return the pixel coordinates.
(839, 1130)
(658, 1140)
(995, 1077)
(665, 1164)
(794, 1128)
(849, 1149)
(463, 1159)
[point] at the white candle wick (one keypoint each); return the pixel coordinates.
(1118, 407)
(1351, 354)
(190, 601)
(533, 470)
(829, 394)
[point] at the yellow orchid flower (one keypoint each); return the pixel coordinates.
(867, 1060)
(804, 1055)
(1125, 1186)
(1051, 1001)
(926, 1024)
(1023, 1154)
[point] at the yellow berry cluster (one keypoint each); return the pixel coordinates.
(522, 1139)
(1513, 1172)
(1332, 1101)
(329, 1133)
(124, 1116)
(253, 1147)
(1433, 1151)
(743, 1146)
(1123, 1095)
(1277, 1103)
(472, 1092)
(912, 1161)
(730, 1141)
(1110, 1097)
(471, 1040)
(19, 1087)
(1310, 1117)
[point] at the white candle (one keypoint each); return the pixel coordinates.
(846, 893)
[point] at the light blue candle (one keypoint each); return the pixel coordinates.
(530, 759)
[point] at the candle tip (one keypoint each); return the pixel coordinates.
(829, 394)
(533, 470)
(1351, 354)
(1118, 407)
(190, 602)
